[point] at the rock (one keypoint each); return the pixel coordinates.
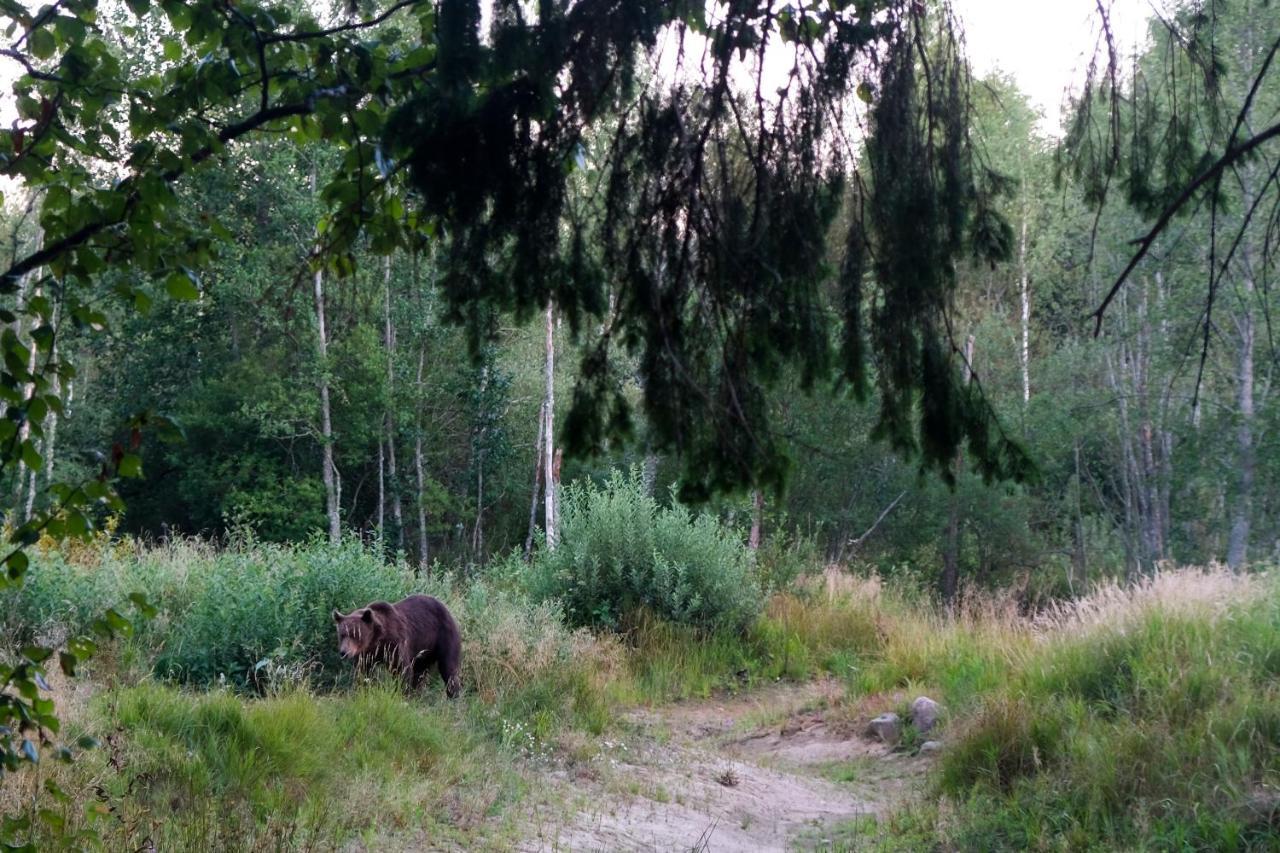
(924, 714)
(887, 727)
(930, 746)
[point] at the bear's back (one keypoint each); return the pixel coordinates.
(427, 619)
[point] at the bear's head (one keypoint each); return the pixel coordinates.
(358, 631)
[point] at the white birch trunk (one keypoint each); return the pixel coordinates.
(419, 471)
(552, 511)
(1026, 314)
(329, 471)
(389, 340)
(1246, 453)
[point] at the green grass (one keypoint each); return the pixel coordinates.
(1159, 730)
(213, 770)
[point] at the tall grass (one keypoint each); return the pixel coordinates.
(1143, 718)
(210, 770)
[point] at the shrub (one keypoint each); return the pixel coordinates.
(620, 551)
(244, 608)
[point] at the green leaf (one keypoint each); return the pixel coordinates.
(30, 456)
(182, 286)
(118, 623)
(82, 647)
(37, 654)
(56, 792)
(130, 466)
(41, 43)
(179, 14)
(52, 819)
(67, 662)
(17, 563)
(139, 7)
(146, 608)
(172, 49)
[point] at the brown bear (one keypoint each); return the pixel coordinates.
(411, 636)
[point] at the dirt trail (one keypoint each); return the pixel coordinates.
(768, 770)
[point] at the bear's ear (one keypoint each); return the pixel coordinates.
(337, 615)
(366, 615)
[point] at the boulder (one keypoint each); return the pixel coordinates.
(924, 714)
(887, 727)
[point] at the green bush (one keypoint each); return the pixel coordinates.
(621, 552)
(246, 612)
(240, 614)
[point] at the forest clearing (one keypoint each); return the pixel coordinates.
(1140, 717)
(556, 425)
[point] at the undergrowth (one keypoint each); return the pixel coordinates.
(1134, 718)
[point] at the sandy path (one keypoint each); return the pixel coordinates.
(748, 773)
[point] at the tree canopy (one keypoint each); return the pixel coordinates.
(633, 162)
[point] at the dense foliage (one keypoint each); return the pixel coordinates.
(623, 552)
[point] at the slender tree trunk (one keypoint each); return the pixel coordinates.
(1130, 488)
(382, 494)
(551, 515)
(24, 434)
(51, 427)
(1026, 313)
(1152, 522)
(537, 485)
(1079, 556)
(25, 498)
(757, 514)
(1246, 453)
(951, 552)
(477, 533)
(649, 473)
(389, 341)
(329, 471)
(419, 468)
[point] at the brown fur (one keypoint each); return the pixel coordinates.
(411, 636)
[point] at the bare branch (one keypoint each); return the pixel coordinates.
(1145, 242)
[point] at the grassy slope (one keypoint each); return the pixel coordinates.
(1145, 718)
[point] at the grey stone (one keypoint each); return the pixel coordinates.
(930, 746)
(924, 714)
(887, 727)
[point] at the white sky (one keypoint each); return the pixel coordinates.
(1045, 44)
